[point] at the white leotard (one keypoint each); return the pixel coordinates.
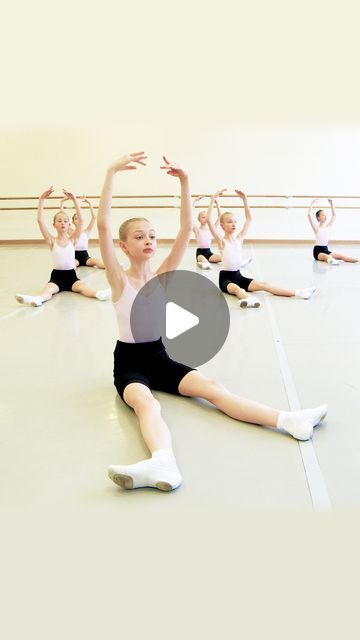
(204, 238)
(322, 236)
(231, 255)
(83, 242)
(123, 308)
(63, 257)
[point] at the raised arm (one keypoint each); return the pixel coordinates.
(113, 268)
(186, 220)
(49, 239)
(218, 209)
(333, 213)
(90, 226)
(211, 225)
(195, 227)
(242, 233)
(62, 202)
(314, 226)
(79, 227)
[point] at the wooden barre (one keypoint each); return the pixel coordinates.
(175, 206)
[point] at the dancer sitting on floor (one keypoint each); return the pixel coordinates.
(82, 258)
(204, 254)
(140, 367)
(321, 230)
(63, 276)
(230, 278)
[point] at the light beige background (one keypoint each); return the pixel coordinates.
(261, 92)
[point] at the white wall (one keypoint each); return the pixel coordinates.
(263, 96)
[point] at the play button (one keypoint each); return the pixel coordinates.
(187, 310)
(178, 320)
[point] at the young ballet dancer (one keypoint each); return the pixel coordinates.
(321, 250)
(204, 254)
(63, 276)
(230, 278)
(140, 367)
(82, 258)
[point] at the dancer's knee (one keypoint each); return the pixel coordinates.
(214, 390)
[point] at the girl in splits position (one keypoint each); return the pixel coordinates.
(63, 276)
(230, 279)
(204, 255)
(82, 258)
(321, 230)
(140, 367)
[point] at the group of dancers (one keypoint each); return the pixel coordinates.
(141, 367)
(69, 249)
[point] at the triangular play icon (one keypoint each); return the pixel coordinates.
(178, 320)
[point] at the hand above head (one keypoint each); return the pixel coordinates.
(330, 201)
(218, 194)
(315, 201)
(126, 163)
(69, 195)
(241, 194)
(198, 198)
(62, 201)
(47, 193)
(173, 169)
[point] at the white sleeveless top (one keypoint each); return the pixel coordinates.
(150, 331)
(322, 236)
(63, 257)
(231, 255)
(204, 238)
(83, 242)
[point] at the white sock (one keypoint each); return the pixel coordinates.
(204, 265)
(305, 293)
(250, 301)
(246, 262)
(333, 261)
(33, 301)
(300, 424)
(159, 471)
(103, 294)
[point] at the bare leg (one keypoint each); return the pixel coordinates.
(323, 257)
(95, 262)
(81, 287)
(76, 263)
(195, 384)
(339, 256)
(237, 291)
(299, 424)
(203, 262)
(215, 258)
(159, 471)
(154, 430)
(46, 293)
(255, 285)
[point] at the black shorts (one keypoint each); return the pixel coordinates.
(149, 364)
(63, 278)
(319, 249)
(82, 257)
(234, 277)
(207, 253)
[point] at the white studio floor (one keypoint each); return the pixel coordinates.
(63, 424)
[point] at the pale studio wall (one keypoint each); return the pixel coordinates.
(260, 160)
(256, 95)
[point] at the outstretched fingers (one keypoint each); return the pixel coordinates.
(47, 193)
